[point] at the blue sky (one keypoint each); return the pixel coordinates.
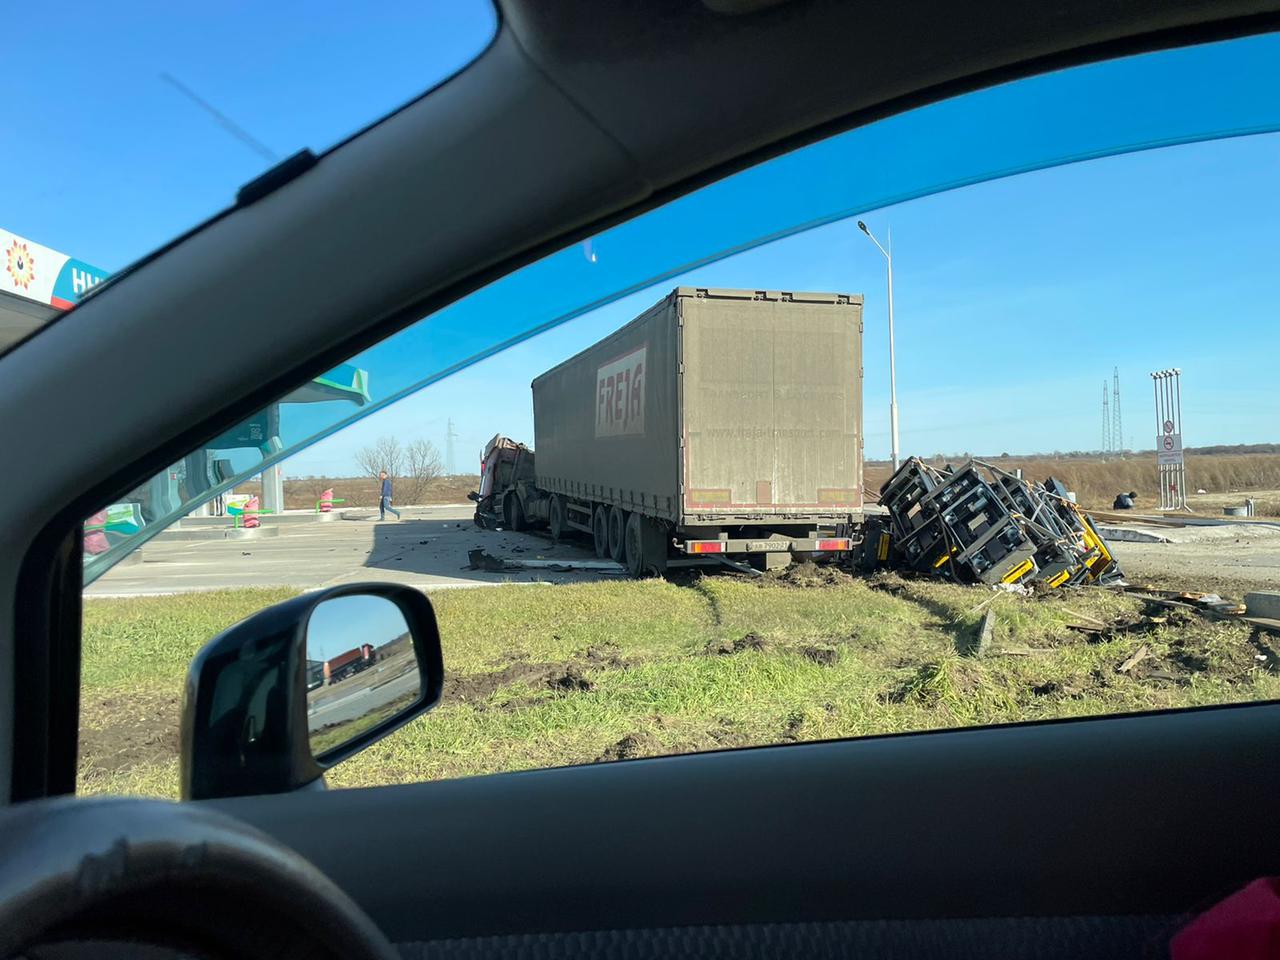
(105, 160)
(1014, 298)
(343, 623)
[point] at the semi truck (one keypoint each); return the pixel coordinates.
(315, 675)
(350, 663)
(719, 424)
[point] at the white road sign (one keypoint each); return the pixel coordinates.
(1169, 450)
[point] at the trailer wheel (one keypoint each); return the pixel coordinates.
(633, 546)
(600, 531)
(555, 516)
(514, 513)
(617, 534)
(645, 546)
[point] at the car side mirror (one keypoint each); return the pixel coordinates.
(277, 699)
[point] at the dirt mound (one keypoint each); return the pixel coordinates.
(750, 641)
(476, 687)
(822, 656)
(143, 729)
(631, 747)
(605, 656)
(810, 574)
(571, 681)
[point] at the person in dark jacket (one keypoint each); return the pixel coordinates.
(384, 502)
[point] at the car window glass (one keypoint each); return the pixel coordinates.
(1171, 97)
(1031, 312)
(130, 136)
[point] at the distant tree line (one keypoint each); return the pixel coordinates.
(1217, 450)
(412, 466)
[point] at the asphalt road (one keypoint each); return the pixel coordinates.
(361, 701)
(427, 549)
(1227, 558)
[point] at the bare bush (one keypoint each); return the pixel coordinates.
(386, 454)
(421, 467)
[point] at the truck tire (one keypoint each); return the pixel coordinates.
(655, 535)
(514, 513)
(617, 534)
(645, 546)
(600, 531)
(555, 516)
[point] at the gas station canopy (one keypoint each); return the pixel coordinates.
(38, 284)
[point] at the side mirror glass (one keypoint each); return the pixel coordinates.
(275, 700)
(361, 668)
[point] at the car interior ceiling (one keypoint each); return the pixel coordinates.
(1051, 839)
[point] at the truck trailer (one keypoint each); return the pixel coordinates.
(350, 663)
(718, 423)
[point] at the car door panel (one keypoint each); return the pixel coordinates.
(1113, 817)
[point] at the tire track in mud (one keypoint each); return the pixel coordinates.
(699, 587)
(560, 677)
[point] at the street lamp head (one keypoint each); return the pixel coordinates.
(863, 227)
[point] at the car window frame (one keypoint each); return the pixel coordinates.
(46, 710)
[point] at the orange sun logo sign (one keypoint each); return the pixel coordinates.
(21, 266)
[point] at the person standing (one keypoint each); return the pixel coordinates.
(384, 504)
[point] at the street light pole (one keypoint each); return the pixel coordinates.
(893, 375)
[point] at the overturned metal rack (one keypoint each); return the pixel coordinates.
(980, 524)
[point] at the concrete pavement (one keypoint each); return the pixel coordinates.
(362, 701)
(426, 549)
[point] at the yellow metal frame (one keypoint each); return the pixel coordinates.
(1018, 572)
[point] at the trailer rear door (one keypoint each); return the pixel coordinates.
(772, 402)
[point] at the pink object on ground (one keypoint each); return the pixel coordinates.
(1244, 926)
(326, 501)
(251, 513)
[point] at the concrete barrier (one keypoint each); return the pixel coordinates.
(1263, 604)
(222, 532)
(1129, 535)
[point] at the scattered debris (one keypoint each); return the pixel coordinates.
(571, 681)
(979, 524)
(1022, 651)
(750, 641)
(822, 656)
(982, 642)
(1133, 660)
(479, 559)
(1084, 616)
(736, 565)
(631, 747)
(1208, 604)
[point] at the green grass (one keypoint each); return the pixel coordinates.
(724, 662)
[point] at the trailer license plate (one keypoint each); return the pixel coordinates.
(762, 546)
